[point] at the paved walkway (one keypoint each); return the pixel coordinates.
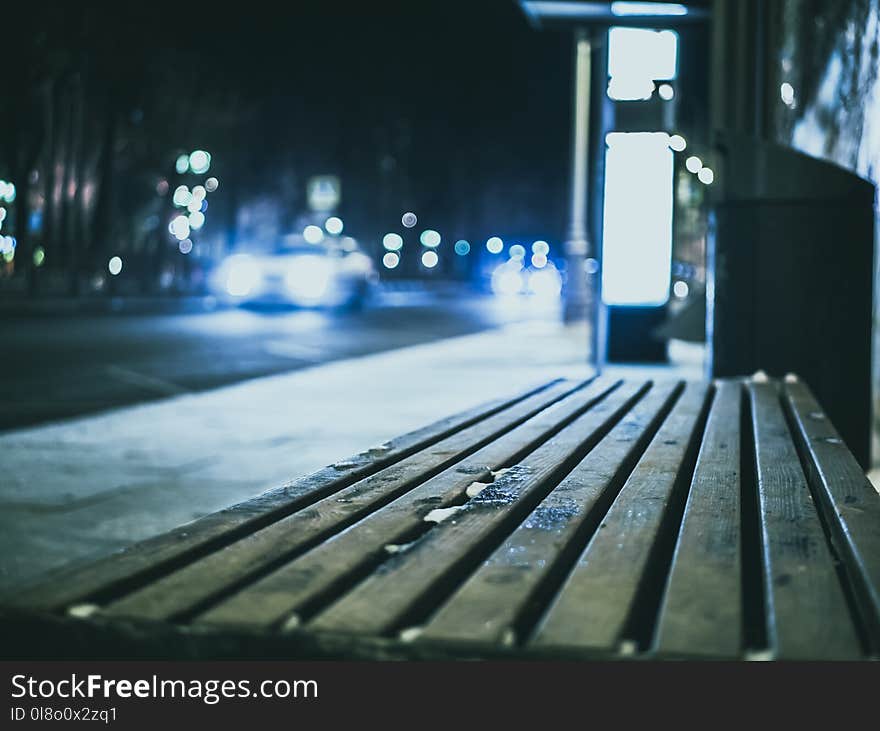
(82, 488)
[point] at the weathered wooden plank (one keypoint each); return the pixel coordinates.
(849, 503)
(311, 577)
(607, 584)
(189, 588)
(498, 603)
(411, 580)
(805, 609)
(702, 612)
(148, 559)
(490, 567)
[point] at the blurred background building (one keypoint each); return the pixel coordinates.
(302, 153)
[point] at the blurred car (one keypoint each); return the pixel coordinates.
(332, 273)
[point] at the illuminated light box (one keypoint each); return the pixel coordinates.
(637, 241)
(637, 57)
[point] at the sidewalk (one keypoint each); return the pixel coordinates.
(83, 488)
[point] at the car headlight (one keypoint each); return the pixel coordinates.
(242, 275)
(545, 283)
(357, 263)
(308, 278)
(507, 279)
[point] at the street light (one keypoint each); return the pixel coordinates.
(430, 238)
(199, 161)
(392, 241)
(494, 245)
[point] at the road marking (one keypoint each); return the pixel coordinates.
(151, 383)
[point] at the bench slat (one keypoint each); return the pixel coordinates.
(309, 578)
(498, 603)
(382, 603)
(605, 587)
(190, 587)
(848, 501)
(702, 609)
(147, 559)
(805, 609)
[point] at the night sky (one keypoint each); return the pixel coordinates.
(457, 110)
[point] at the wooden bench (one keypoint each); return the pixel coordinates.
(597, 519)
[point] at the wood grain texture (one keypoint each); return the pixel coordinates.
(805, 609)
(297, 585)
(494, 604)
(148, 559)
(188, 588)
(702, 612)
(849, 503)
(412, 579)
(599, 596)
(601, 519)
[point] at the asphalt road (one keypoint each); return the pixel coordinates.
(53, 367)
